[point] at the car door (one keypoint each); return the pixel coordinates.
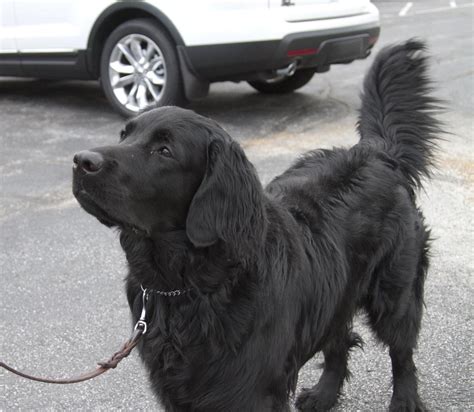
(52, 36)
(9, 58)
(48, 26)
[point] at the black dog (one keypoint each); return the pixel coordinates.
(265, 278)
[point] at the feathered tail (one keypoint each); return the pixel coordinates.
(397, 110)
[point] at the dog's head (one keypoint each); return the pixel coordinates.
(172, 170)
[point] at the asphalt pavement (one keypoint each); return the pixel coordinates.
(63, 305)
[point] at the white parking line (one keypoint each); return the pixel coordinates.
(458, 6)
(405, 9)
(452, 5)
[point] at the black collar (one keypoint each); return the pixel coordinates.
(142, 323)
(168, 293)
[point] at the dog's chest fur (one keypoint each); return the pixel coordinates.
(195, 341)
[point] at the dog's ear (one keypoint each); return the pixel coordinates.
(229, 203)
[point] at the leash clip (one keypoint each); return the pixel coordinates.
(141, 324)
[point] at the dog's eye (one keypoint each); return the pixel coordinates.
(122, 135)
(162, 151)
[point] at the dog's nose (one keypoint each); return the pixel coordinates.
(89, 162)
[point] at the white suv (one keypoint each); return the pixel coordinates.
(166, 51)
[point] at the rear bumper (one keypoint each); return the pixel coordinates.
(245, 61)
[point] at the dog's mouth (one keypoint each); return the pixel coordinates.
(94, 207)
(90, 206)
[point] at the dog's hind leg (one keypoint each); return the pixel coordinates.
(395, 312)
(405, 385)
(324, 394)
(400, 334)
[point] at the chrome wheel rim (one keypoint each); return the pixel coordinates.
(137, 72)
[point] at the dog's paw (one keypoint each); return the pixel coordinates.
(315, 399)
(407, 405)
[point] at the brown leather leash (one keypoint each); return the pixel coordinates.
(139, 330)
(103, 366)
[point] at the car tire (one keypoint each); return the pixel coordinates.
(281, 84)
(139, 68)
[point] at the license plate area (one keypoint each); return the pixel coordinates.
(344, 49)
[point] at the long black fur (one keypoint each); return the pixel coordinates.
(276, 274)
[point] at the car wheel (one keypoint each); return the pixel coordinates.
(283, 84)
(139, 68)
